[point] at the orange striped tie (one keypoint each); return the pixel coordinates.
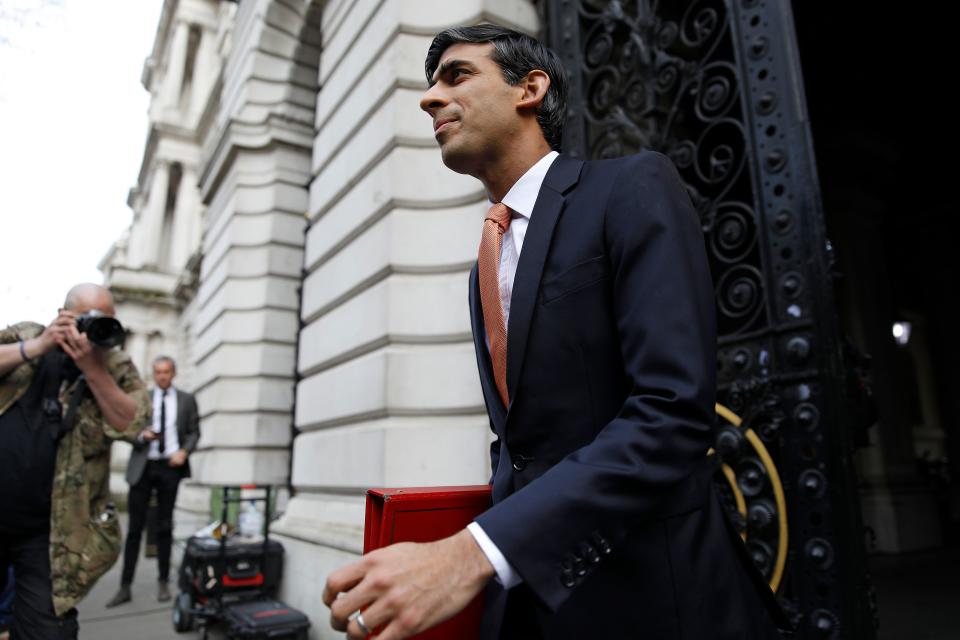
(488, 265)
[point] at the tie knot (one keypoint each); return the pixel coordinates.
(500, 214)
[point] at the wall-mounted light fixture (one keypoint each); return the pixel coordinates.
(901, 332)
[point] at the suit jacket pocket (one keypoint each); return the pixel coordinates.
(573, 279)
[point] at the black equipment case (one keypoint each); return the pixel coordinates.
(266, 619)
(246, 566)
(233, 580)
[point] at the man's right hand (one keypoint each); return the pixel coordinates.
(52, 335)
(149, 435)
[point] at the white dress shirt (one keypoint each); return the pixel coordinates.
(520, 198)
(171, 441)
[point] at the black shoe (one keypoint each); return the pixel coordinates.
(123, 595)
(163, 592)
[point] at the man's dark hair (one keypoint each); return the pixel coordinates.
(517, 54)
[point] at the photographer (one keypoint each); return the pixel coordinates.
(65, 394)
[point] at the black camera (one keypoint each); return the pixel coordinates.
(101, 330)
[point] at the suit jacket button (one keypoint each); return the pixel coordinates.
(601, 543)
(579, 567)
(567, 579)
(520, 461)
(591, 554)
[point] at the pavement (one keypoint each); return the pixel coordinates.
(143, 618)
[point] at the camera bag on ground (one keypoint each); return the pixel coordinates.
(266, 619)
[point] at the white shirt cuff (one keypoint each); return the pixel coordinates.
(506, 574)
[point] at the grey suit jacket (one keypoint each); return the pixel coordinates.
(188, 433)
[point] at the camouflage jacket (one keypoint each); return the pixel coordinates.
(85, 536)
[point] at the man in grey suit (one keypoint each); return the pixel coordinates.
(157, 463)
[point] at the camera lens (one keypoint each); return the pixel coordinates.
(102, 331)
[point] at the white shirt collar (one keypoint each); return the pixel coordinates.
(170, 391)
(523, 194)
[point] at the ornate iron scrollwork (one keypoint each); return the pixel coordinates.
(664, 76)
(715, 85)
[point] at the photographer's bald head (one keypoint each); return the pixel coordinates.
(87, 296)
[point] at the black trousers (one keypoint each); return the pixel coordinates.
(164, 479)
(33, 616)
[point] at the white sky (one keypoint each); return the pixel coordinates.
(73, 122)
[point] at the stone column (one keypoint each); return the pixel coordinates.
(253, 179)
(204, 73)
(943, 334)
(151, 229)
(176, 56)
(182, 241)
(895, 505)
(389, 392)
(929, 436)
(135, 241)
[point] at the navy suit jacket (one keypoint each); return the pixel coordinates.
(602, 487)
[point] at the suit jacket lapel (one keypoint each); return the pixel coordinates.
(495, 407)
(561, 177)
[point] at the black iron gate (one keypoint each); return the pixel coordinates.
(716, 85)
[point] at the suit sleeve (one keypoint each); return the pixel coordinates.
(649, 460)
(193, 426)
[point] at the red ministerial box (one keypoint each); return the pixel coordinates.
(425, 514)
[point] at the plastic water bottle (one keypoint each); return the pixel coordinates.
(251, 522)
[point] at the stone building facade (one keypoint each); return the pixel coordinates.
(300, 249)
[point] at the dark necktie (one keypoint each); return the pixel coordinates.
(163, 421)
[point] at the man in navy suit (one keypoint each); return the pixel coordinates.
(593, 320)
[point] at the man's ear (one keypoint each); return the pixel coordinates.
(534, 87)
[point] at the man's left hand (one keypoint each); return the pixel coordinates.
(84, 354)
(178, 458)
(407, 587)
